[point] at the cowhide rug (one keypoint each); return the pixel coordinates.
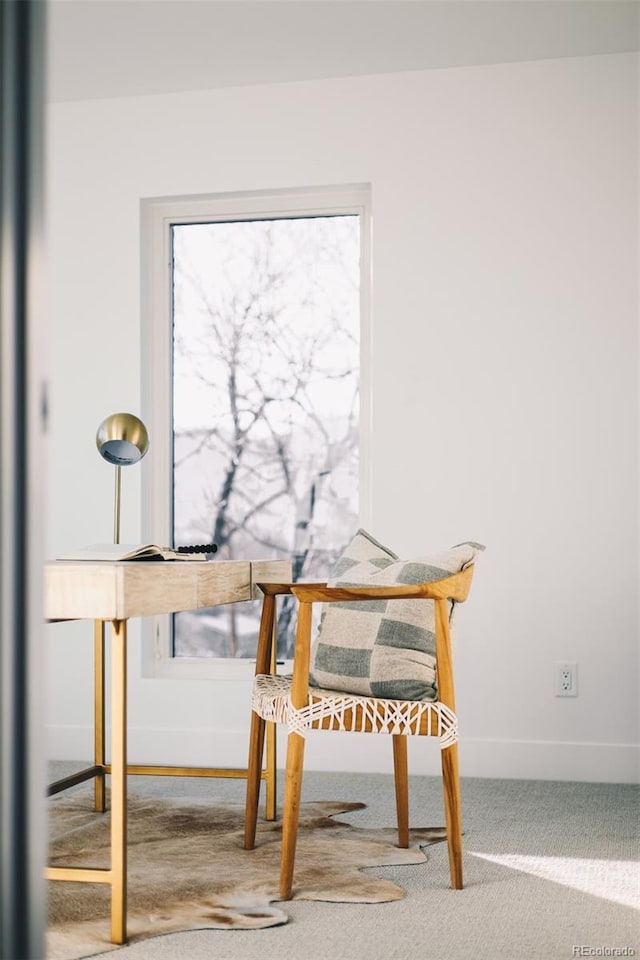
(188, 869)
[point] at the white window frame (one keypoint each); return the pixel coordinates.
(158, 215)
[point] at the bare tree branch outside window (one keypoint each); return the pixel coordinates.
(266, 322)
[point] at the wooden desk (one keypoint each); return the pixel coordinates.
(113, 592)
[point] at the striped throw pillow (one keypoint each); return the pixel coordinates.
(382, 648)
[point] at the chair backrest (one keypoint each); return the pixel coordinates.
(441, 593)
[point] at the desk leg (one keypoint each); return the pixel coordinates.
(119, 782)
(98, 716)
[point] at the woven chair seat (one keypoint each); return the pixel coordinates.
(334, 710)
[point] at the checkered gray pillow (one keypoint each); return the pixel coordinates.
(382, 648)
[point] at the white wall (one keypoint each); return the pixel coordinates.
(504, 378)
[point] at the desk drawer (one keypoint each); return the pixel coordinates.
(117, 591)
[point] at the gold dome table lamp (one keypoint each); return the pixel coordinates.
(122, 439)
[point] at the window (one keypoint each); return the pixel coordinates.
(255, 315)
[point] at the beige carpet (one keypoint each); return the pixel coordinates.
(188, 869)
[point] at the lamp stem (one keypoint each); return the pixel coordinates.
(116, 508)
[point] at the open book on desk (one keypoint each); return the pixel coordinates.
(132, 551)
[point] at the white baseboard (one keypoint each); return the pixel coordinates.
(500, 759)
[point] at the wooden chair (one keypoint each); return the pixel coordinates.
(293, 702)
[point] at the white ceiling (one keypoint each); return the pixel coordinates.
(117, 48)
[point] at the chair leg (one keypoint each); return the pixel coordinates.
(254, 776)
(271, 773)
(452, 810)
(265, 658)
(271, 811)
(401, 777)
(292, 791)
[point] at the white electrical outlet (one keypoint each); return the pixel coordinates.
(566, 679)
